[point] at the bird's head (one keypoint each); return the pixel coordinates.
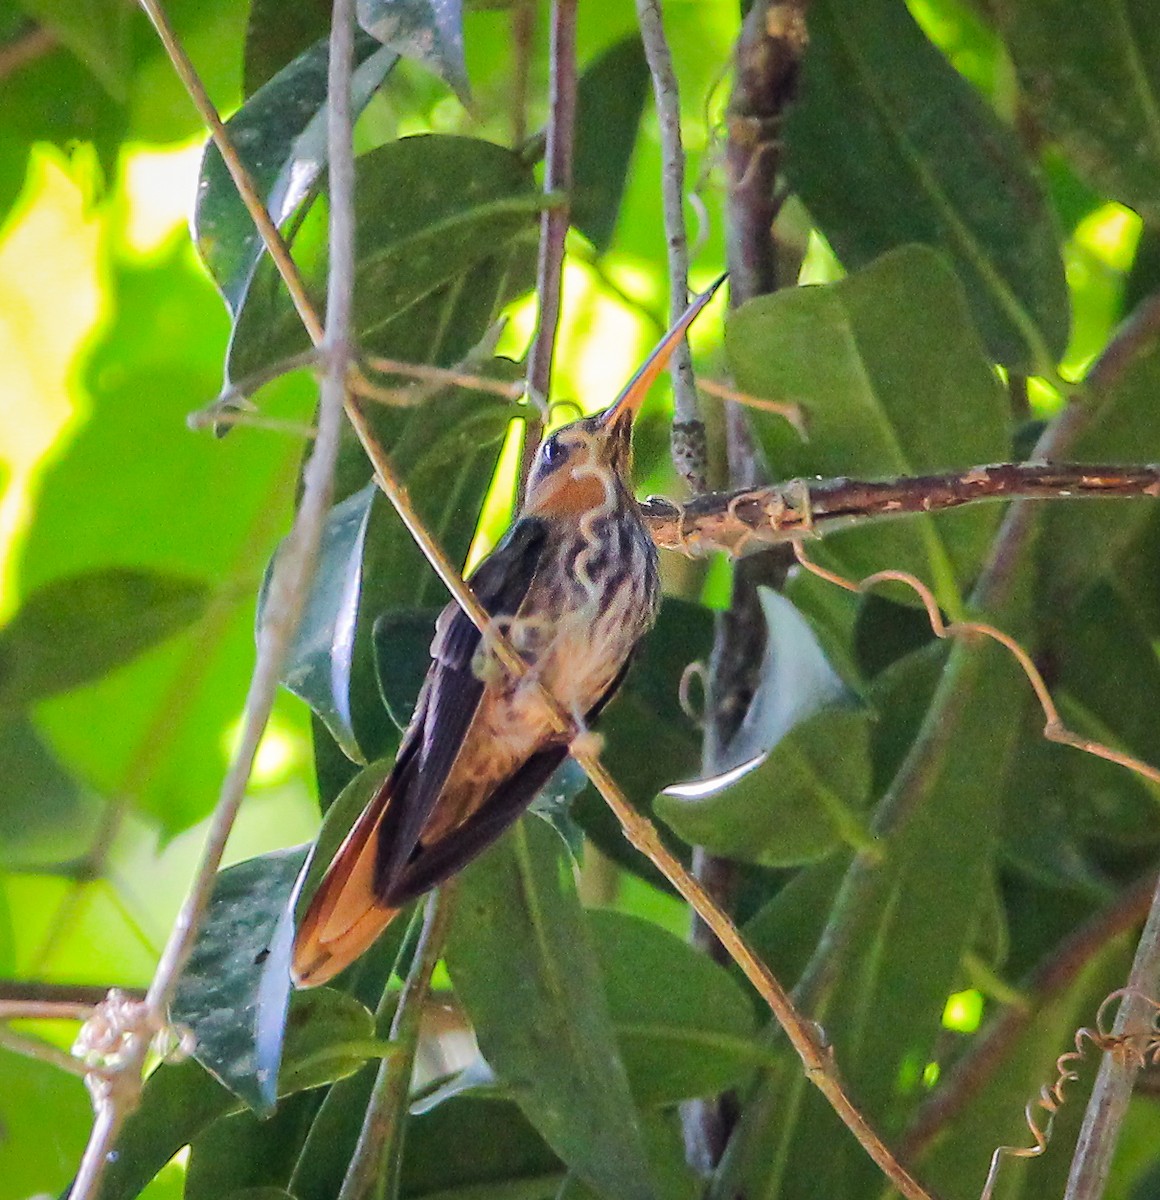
(576, 467)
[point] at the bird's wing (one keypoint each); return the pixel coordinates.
(431, 864)
(453, 692)
(350, 908)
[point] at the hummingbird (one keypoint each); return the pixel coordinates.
(574, 585)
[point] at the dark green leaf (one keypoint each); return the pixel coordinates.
(785, 932)
(796, 774)
(333, 1135)
(46, 814)
(522, 965)
(54, 98)
(887, 144)
(402, 657)
(218, 996)
(75, 630)
(320, 666)
(953, 1167)
(280, 133)
(903, 388)
(258, 1193)
(609, 105)
(675, 1179)
(245, 1151)
(1103, 656)
(1090, 74)
(328, 1037)
(277, 33)
(507, 1159)
(901, 945)
(1080, 542)
(428, 31)
(684, 1027)
(374, 577)
(454, 205)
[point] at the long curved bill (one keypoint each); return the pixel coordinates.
(628, 403)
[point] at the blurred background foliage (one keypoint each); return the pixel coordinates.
(132, 550)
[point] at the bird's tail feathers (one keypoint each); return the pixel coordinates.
(345, 915)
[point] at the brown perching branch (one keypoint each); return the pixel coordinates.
(750, 519)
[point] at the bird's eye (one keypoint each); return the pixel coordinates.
(551, 452)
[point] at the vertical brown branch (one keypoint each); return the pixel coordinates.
(769, 51)
(554, 223)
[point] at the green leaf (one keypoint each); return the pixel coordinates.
(46, 814)
(96, 31)
(887, 144)
(277, 34)
(508, 1158)
(684, 1026)
(609, 104)
(220, 989)
(258, 1193)
(784, 932)
(675, 1179)
(797, 773)
(55, 99)
(280, 134)
(45, 1110)
(899, 952)
(903, 389)
(77, 629)
(1090, 74)
(1080, 542)
(187, 508)
(246, 1151)
(455, 204)
(320, 666)
(402, 658)
(330, 1142)
(953, 1165)
(428, 31)
(522, 966)
(1104, 656)
(329, 1036)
